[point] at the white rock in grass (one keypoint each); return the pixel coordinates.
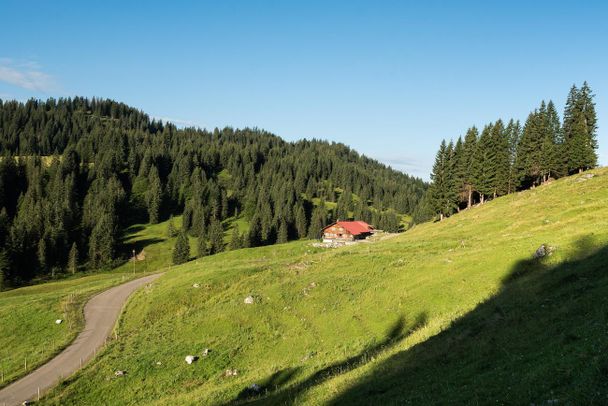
(206, 352)
(58, 321)
(196, 286)
(190, 359)
(120, 373)
(249, 300)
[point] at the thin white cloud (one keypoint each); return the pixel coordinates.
(409, 165)
(178, 122)
(27, 75)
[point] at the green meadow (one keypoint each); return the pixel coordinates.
(456, 312)
(28, 333)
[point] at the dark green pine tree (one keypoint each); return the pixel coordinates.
(181, 250)
(301, 222)
(317, 222)
(236, 241)
(580, 129)
(101, 242)
(154, 195)
(513, 131)
(529, 149)
(42, 255)
(502, 164)
(484, 174)
(442, 190)
(171, 230)
(216, 236)
(283, 233)
(254, 237)
(460, 172)
(202, 246)
(557, 161)
(73, 259)
(469, 163)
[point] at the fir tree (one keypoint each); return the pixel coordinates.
(317, 222)
(235, 240)
(301, 222)
(484, 174)
(202, 247)
(42, 255)
(502, 165)
(442, 191)
(254, 237)
(171, 230)
(460, 172)
(529, 149)
(101, 242)
(556, 162)
(469, 163)
(154, 195)
(580, 129)
(216, 237)
(73, 259)
(181, 250)
(283, 234)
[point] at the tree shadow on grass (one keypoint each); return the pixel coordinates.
(543, 339)
(128, 247)
(269, 394)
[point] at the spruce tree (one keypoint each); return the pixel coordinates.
(181, 250)
(442, 190)
(460, 172)
(171, 230)
(557, 161)
(513, 134)
(202, 246)
(317, 222)
(216, 236)
(469, 163)
(102, 242)
(283, 234)
(73, 259)
(484, 174)
(580, 129)
(235, 240)
(254, 237)
(42, 254)
(502, 163)
(301, 222)
(154, 196)
(529, 149)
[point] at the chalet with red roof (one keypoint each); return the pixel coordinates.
(342, 231)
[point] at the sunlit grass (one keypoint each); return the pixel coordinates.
(321, 318)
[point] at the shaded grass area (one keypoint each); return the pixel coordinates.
(321, 330)
(543, 339)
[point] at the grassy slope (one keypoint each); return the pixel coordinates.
(343, 325)
(27, 315)
(27, 320)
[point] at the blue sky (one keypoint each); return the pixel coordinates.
(390, 79)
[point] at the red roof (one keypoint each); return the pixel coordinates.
(354, 227)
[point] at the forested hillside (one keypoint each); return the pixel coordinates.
(75, 172)
(506, 158)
